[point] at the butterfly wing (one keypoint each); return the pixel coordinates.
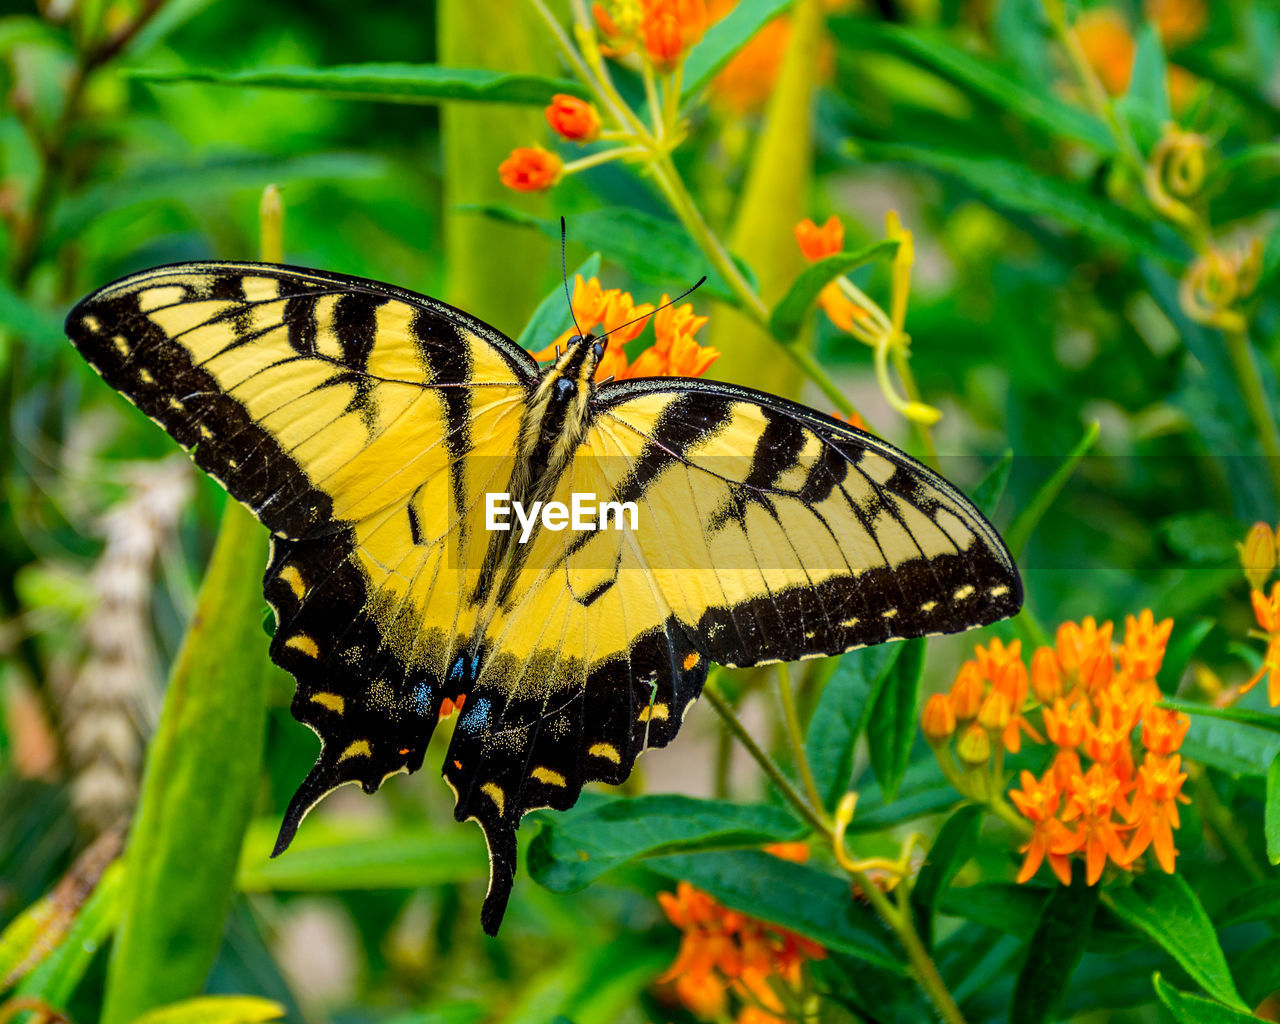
(765, 532)
(360, 423)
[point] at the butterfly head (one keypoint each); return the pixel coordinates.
(578, 361)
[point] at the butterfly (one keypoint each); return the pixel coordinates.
(369, 427)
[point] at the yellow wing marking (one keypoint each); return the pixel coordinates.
(302, 642)
(606, 750)
(360, 748)
(334, 702)
(293, 577)
(494, 792)
(548, 776)
(653, 713)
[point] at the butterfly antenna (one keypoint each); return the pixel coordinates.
(564, 276)
(688, 291)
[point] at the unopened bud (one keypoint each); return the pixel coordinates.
(967, 692)
(1046, 676)
(1258, 555)
(974, 747)
(996, 711)
(938, 720)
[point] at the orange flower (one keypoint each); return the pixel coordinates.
(1144, 644)
(819, 242)
(1177, 21)
(724, 951)
(1163, 731)
(530, 169)
(854, 419)
(1108, 45)
(746, 82)
(1267, 612)
(670, 27)
(1038, 802)
(1092, 797)
(675, 353)
(796, 852)
(1155, 808)
(1046, 676)
(573, 118)
(974, 747)
(967, 691)
(1084, 652)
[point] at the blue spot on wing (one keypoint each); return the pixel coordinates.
(476, 717)
(420, 699)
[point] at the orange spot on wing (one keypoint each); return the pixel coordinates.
(690, 660)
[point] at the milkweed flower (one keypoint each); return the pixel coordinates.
(725, 952)
(573, 118)
(1267, 612)
(531, 169)
(1101, 796)
(674, 353)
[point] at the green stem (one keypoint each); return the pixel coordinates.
(766, 763)
(795, 738)
(925, 436)
(1255, 399)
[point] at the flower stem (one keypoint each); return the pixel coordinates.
(795, 738)
(1255, 399)
(766, 763)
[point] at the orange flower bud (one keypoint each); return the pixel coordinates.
(1267, 610)
(818, 242)
(530, 170)
(1258, 554)
(1108, 45)
(663, 40)
(974, 747)
(968, 691)
(1046, 676)
(573, 118)
(938, 720)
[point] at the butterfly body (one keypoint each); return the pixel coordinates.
(365, 426)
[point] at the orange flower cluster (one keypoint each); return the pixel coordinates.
(817, 243)
(1091, 696)
(723, 951)
(674, 353)
(664, 29)
(1108, 44)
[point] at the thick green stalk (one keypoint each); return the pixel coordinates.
(198, 788)
(774, 198)
(494, 270)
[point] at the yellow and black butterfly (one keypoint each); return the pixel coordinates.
(365, 426)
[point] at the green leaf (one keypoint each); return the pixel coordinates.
(385, 83)
(1016, 910)
(841, 716)
(891, 728)
(1257, 903)
(26, 321)
(653, 250)
(1245, 184)
(1147, 102)
(788, 315)
(575, 848)
(1238, 741)
(1271, 825)
(956, 842)
(725, 38)
(924, 791)
(199, 785)
(200, 179)
(1016, 188)
(55, 978)
(990, 489)
(554, 315)
(1257, 970)
(1183, 644)
(1191, 1009)
(978, 78)
(1054, 951)
(1166, 909)
(343, 857)
(215, 1010)
(796, 896)
(1025, 522)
